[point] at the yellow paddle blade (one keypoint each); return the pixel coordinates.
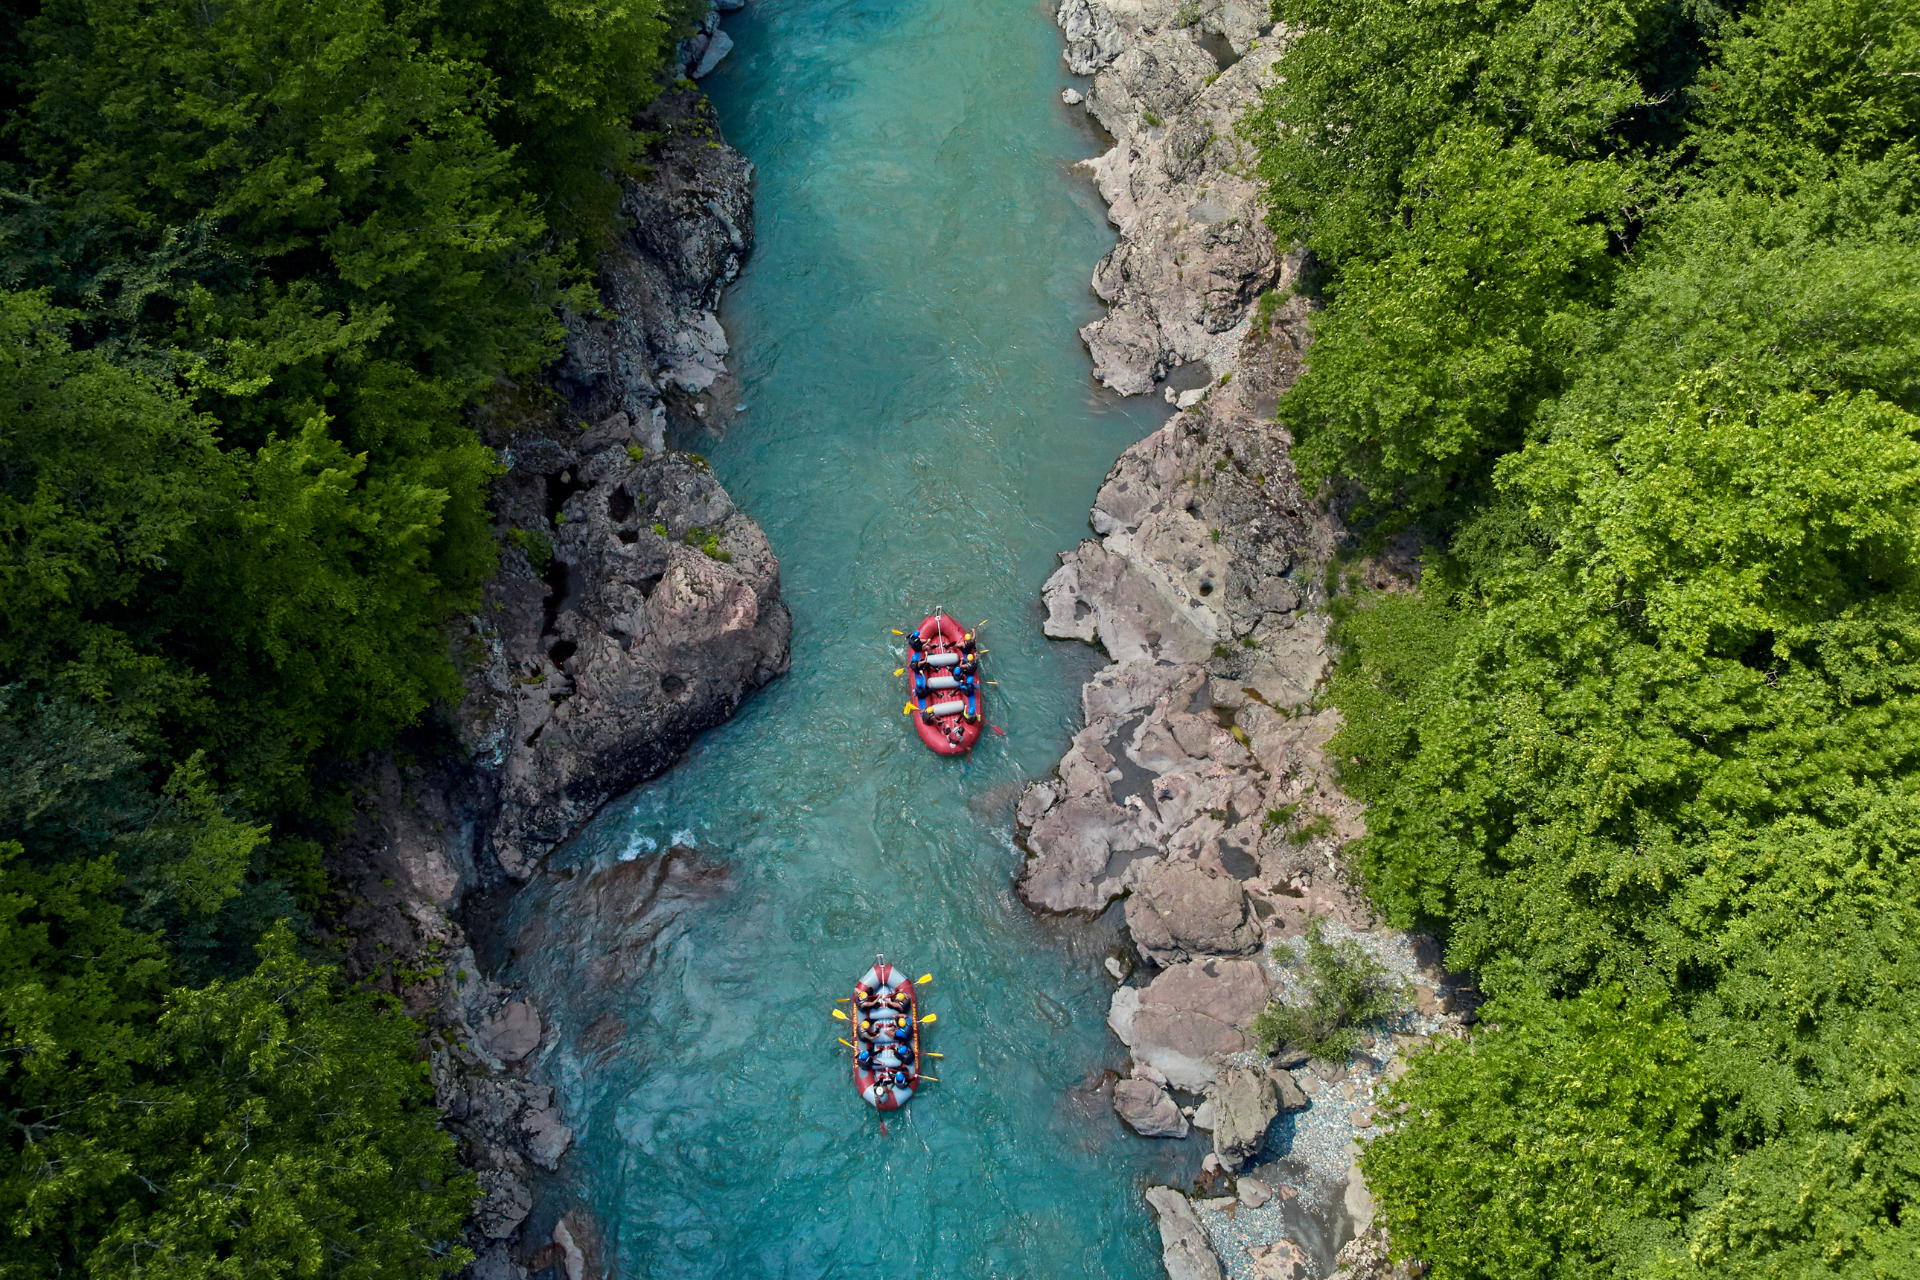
(843, 999)
(840, 1015)
(923, 980)
(907, 710)
(847, 1043)
(899, 671)
(897, 631)
(935, 1079)
(932, 1054)
(932, 1017)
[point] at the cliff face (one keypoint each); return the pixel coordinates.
(635, 606)
(1200, 790)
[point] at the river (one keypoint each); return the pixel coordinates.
(917, 430)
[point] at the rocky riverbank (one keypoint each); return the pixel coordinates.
(1200, 791)
(635, 606)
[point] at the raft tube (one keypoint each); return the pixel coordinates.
(876, 1094)
(943, 725)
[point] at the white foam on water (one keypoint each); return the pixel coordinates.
(638, 845)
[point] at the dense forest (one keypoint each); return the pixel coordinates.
(1622, 318)
(259, 263)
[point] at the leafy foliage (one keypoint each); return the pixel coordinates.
(1348, 992)
(259, 262)
(1641, 747)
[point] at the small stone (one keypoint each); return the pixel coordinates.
(1203, 1116)
(1218, 1204)
(1072, 97)
(1254, 1193)
(1118, 970)
(1211, 1165)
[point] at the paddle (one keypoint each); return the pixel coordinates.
(847, 1043)
(841, 1014)
(923, 980)
(932, 1017)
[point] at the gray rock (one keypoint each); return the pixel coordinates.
(1189, 1016)
(512, 1033)
(1281, 1260)
(1252, 1192)
(504, 1204)
(1184, 1246)
(729, 6)
(496, 1263)
(1072, 97)
(601, 673)
(546, 1138)
(1178, 911)
(1292, 1097)
(1148, 1110)
(719, 45)
(1245, 1103)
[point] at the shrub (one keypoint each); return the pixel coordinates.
(1348, 991)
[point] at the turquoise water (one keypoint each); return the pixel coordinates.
(919, 430)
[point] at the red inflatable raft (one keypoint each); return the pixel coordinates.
(888, 1036)
(943, 684)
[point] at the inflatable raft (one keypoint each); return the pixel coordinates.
(943, 684)
(889, 1039)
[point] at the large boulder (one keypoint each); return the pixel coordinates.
(658, 613)
(1245, 1102)
(1179, 911)
(1184, 1247)
(1190, 1016)
(1148, 1110)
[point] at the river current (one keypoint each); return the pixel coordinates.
(917, 430)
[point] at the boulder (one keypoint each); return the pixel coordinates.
(718, 47)
(1178, 911)
(1292, 1097)
(1281, 1260)
(512, 1033)
(546, 1138)
(1148, 1110)
(504, 1204)
(1253, 1192)
(1184, 1246)
(1188, 1016)
(660, 612)
(1245, 1103)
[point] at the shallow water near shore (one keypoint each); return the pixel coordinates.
(917, 430)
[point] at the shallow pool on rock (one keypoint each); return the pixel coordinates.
(918, 429)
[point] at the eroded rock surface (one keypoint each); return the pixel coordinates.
(1170, 81)
(658, 612)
